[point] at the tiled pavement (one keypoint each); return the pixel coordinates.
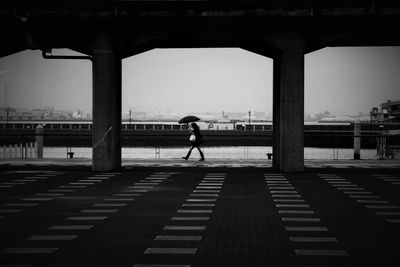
(198, 216)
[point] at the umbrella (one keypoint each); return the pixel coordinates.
(188, 119)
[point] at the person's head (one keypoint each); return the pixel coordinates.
(194, 125)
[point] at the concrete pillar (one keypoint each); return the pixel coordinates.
(357, 140)
(106, 107)
(39, 141)
(276, 106)
(291, 110)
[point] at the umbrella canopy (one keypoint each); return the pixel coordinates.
(188, 119)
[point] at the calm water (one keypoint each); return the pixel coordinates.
(258, 152)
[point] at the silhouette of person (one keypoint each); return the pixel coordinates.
(195, 130)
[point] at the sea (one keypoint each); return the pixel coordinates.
(237, 153)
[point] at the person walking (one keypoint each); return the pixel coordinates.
(196, 135)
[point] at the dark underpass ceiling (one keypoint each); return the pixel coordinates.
(262, 27)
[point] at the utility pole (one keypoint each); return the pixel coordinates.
(130, 116)
(249, 117)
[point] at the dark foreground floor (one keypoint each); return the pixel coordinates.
(199, 217)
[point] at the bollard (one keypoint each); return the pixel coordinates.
(357, 140)
(39, 141)
(157, 152)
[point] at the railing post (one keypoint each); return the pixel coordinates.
(26, 150)
(31, 147)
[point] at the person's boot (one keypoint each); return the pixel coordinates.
(202, 156)
(187, 156)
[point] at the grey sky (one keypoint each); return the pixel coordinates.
(341, 80)
(351, 80)
(198, 80)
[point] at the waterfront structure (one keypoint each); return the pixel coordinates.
(108, 31)
(172, 134)
(387, 112)
(159, 125)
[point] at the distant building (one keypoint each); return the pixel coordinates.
(387, 112)
(80, 115)
(47, 113)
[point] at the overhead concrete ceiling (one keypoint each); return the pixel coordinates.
(259, 26)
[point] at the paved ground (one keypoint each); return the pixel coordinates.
(333, 214)
(128, 164)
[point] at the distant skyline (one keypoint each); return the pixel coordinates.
(340, 80)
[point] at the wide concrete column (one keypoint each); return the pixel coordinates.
(289, 110)
(106, 107)
(276, 113)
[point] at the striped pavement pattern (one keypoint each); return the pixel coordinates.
(369, 200)
(305, 229)
(194, 214)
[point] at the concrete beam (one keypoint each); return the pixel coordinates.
(106, 108)
(289, 110)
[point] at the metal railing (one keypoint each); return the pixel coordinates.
(18, 151)
(335, 140)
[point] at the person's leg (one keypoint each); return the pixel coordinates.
(188, 154)
(201, 153)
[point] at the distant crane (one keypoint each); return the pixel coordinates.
(249, 117)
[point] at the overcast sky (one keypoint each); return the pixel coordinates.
(340, 80)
